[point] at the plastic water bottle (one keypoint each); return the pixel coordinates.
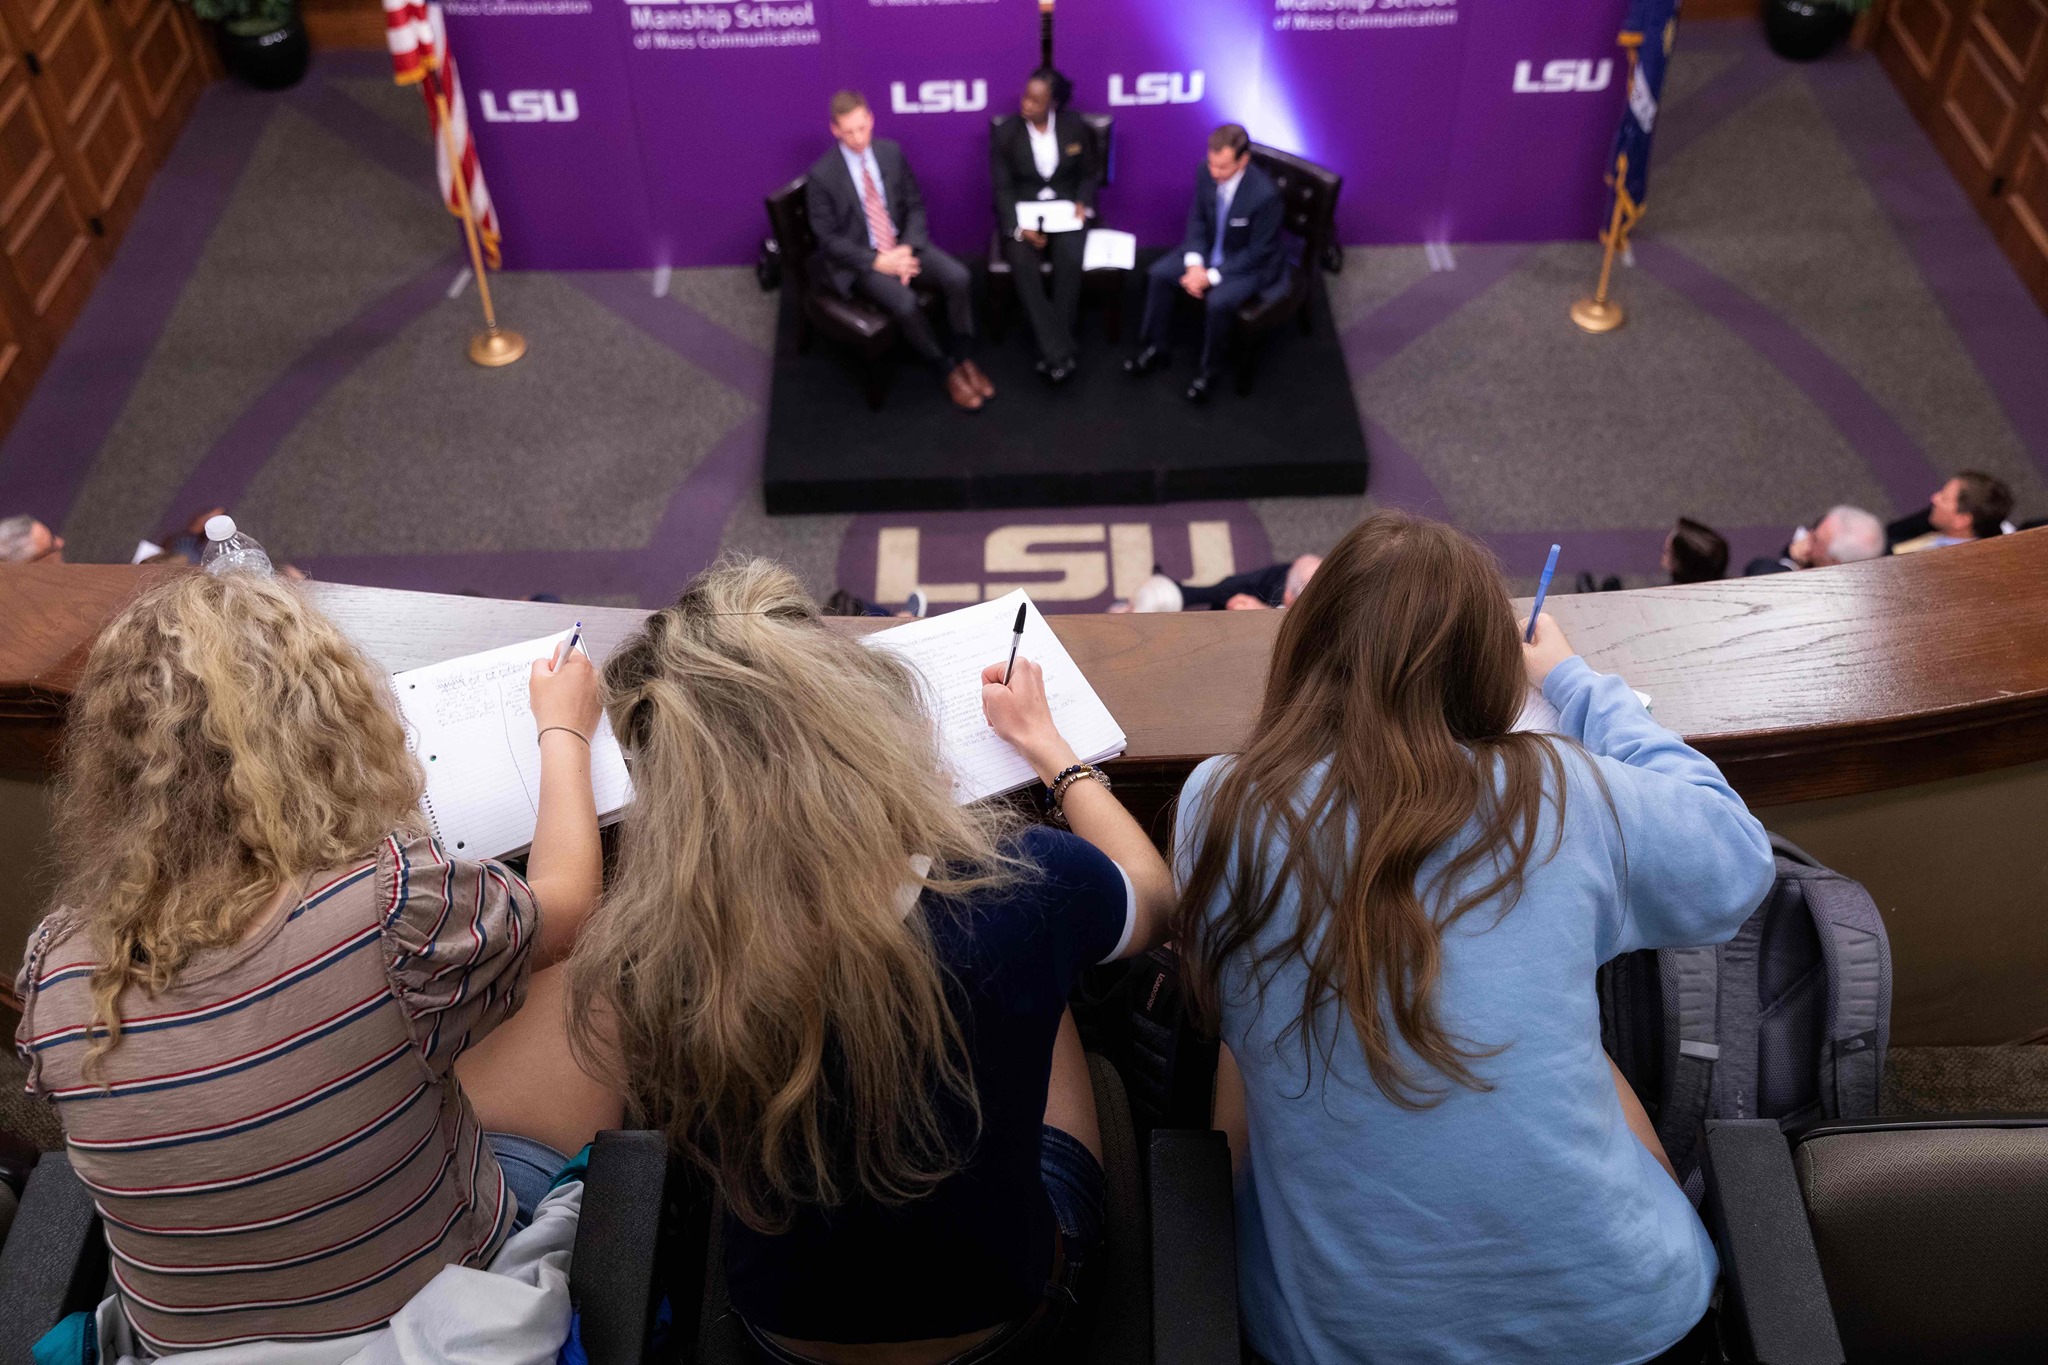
(227, 548)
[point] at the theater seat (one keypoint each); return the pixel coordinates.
(54, 1261)
(1162, 1287)
(851, 322)
(1309, 193)
(1884, 1240)
(1106, 283)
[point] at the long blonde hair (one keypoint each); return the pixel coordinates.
(756, 976)
(224, 739)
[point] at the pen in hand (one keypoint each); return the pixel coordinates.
(1016, 638)
(1542, 589)
(575, 638)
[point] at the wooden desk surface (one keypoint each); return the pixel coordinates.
(1823, 683)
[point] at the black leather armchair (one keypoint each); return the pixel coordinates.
(851, 322)
(1106, 284)
(1883, 1240)
(1309, 193)
(1163, 1286)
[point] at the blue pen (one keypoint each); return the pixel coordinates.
(1542, 588)
(576, 635)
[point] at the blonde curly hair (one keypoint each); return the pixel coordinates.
(225, 739)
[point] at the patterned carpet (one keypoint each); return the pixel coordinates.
(1815, 316)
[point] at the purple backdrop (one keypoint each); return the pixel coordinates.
(634, 133)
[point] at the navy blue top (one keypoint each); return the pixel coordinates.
(976, 1251)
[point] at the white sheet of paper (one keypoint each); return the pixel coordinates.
(470, 723)
(948, 652)
(1049, 215)
(145, 549)
(1539, 714)
(1108, 249)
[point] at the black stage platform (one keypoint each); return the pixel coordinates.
(1101, 438)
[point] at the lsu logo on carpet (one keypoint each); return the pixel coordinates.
(1076, 562)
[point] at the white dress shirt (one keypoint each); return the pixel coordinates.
(1225, 193)
(1045, 152)
(854, 162)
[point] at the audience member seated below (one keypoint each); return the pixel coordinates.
(1694, 552)
(281, 1026)
(1276, 585)
(1394, 905)
(1231, 254)
(852, 1025)
(24, 540)
(1970, 506)
(1042, 154)
(867, 213)
(1846, 535)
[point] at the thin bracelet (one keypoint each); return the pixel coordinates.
(565, 730)
(1067, 779)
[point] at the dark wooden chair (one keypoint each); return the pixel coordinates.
(1106, 284)
(1310, 194)
(851, 322)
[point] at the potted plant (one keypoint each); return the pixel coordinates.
(1802, 30)
(263, 42)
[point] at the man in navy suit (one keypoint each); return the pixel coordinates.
(1231, 254)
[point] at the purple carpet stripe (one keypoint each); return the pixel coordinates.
(2001, 328)
(409, 158)
(1893, 457)
(242, 450)
(574, 575)
(1398, 478)
(733, 361)
(688, 537)
(1389, 329)
(1713, 104)
(46, 457)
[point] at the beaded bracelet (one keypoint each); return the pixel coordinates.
(1067, 778)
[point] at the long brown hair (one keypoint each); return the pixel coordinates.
(1399, 667)
(756, 976)
(225, 738)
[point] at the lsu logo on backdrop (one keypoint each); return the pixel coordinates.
(1563, 77)
(530, 106)
(1158, 87)
(939, 97)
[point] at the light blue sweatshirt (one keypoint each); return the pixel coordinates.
(1524, 1223)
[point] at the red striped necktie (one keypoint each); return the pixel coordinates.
(879, 226)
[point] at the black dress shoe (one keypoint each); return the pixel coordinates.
(1145, 361)
(1200, 387)
(1060, 371)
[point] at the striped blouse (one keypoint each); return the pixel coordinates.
(280, 1150)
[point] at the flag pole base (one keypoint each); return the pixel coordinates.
(495, 346)
(1597, 315)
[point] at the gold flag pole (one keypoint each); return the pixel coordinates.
(1599, 313)
(494, 345)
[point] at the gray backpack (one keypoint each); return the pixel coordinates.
(1788, 1020)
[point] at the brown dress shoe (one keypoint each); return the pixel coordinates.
(960, 388)
(980, 380)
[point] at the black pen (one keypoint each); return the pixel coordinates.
(1016, 638)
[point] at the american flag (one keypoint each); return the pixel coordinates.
(419, 56)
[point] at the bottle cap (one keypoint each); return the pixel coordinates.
(220, 527)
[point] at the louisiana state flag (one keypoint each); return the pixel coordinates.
(1648, 34)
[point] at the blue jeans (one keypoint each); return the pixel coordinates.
(529, 1168)
(1073, 1183)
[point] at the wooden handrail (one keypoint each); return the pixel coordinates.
(1802, 685)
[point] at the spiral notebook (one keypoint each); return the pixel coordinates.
(948, 652)
(469, 722)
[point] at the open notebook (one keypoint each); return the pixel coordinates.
(469, 722)
(948, 652)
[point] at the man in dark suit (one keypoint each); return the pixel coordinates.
(872, 242)
(1041, 155)
(1231, 253)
